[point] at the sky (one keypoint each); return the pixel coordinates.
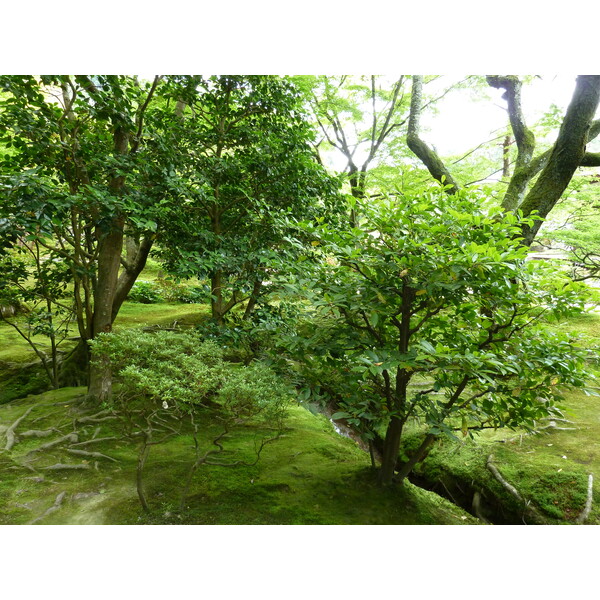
(462, 122)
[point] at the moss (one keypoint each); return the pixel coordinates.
(310, 475)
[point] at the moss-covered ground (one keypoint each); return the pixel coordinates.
(550, 470)
(310, 475)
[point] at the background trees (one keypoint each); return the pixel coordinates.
(555, 166)
(246, 170)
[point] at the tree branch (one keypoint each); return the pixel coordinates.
(428, 157)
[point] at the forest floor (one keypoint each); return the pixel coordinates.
(310, 475)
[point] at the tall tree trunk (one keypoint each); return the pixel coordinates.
(216, 291)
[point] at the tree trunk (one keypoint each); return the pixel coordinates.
(136, 261)
(253, 299)
(216, 301)
(391, 447)
(110, 246)
(418, 456)
(567, 153)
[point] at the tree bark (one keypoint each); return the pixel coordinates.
(417, 457)
(110, 246)
(567, 153)
(131, 272)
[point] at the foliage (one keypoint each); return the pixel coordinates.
(245, 161)
(170, 380)
(145, 292)
(439, 317)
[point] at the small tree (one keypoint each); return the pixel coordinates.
(34, 301)
(174, 384)
(441, 319)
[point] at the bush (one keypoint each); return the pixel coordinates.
(144, 292)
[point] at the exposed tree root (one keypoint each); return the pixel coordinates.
(70, 437)
(512, 490)
(62, 466)
(90, 454)
(95, 418)
(99, 420)
(588, 503)
(54, 507)
(93, 441)
(37, 433)
(10, 432)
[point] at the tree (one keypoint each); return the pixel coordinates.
(554, 168)
(88, 170)
(174, 383)
(247, 167)
(438, 319)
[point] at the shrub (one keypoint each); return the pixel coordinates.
(144, 292)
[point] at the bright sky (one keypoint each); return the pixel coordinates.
(463, 122)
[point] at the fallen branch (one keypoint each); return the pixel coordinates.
(511, 489)
(90, 454)
(70, 437)
(585, 513)
(54, 507)
(10, 432)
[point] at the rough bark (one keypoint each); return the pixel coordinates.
(417, 457)
(109, 260)
(391, 447)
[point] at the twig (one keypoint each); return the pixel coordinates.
(588, 503)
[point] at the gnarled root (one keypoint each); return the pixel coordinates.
(70, 437)
(10, 432)
(62, 466)
(87, 454)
